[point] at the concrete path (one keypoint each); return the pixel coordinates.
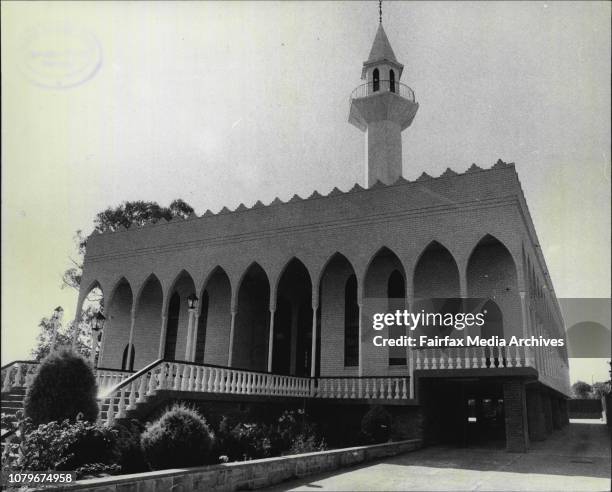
(576, 458)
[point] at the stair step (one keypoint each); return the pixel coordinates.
(10, 397)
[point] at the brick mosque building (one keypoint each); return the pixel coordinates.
(273, 302)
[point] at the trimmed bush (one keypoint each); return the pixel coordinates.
(131, 458)
(376, 424)
(64, 387)
(180, 438)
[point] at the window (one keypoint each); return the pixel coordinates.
(172, 327)
(375, 80)
(124, 361)
(396, 293)
(351, 323)
(391, 80)
(201, 334)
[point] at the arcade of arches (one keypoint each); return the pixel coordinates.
(306, 324)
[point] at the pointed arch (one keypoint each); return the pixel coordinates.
(375, 80)
(491, 259)
(147, 325)
(391, 80)
(385, 278)
(214, 322)
(251, 332)
(338, 316)
(384, 258)
(177, 322)
(292, 344)
(118, 321)
(436, 274)
(492, 274)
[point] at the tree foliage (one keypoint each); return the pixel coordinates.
(127, 214)
(580, 389)
(64, 387)
(65, 333)
(79, 445)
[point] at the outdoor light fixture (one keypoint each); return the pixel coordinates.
(192, 301)
(98, 321)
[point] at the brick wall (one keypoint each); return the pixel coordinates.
(515, 410)
(246, 474)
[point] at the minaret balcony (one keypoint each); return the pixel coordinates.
(381, 87)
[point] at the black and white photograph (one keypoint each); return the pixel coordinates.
(298, 245)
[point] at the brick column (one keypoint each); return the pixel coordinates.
(535, 416)
(556, 414)
(271, 338)
(515, 409)
(313, 346)
(548, 421)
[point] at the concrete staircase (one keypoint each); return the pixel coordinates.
(12, 401)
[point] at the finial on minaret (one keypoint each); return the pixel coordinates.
(380, 11)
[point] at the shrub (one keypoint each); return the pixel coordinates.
(66, 446)
(131, 458)
(376, 424)
(291, 433)
(181, 437)
(63, 388)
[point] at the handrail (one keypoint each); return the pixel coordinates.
(18, 362)
(113, 370)
(132, 378)
(382, 87)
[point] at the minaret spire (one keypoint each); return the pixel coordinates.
(382, 108)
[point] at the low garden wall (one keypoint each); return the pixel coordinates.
(243, 475)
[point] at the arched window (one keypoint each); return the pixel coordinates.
(391, 80)
(375, 80)
(201, 335)
(396, 292)
(351, 323)
(172, 327)
(124, 359)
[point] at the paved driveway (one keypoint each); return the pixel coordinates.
(574, 459)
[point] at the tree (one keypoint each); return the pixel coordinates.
(580, 389)
(63, 388)
(600, 389)
(64, 335)
(127, 214)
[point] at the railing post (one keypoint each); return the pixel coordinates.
(110, 412)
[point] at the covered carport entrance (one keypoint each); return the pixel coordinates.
(465, 408)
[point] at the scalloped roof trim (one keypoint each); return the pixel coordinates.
(356, 188)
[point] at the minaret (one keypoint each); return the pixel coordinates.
(382, 108)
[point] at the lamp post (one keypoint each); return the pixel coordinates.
(192, 306)
(96, 332)
(56, 320)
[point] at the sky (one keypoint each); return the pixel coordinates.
(223, 103)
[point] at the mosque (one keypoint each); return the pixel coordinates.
(274, 302)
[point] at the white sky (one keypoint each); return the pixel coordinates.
(222, 103)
